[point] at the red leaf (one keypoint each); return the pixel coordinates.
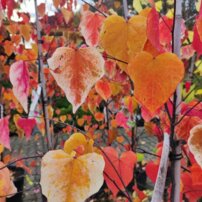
(165, 27)
(11, 5)
(124, 168)
(152, 171)
(153, 29)
(196, 111)
(27, 125)
(197, 44)
(3, 3)
(184, 127)
(103, 89)
(90, 25)
(4, 135)
(192, 192)
(19, 77)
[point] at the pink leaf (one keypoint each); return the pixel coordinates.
(90, 26)
(4, 135)
(19, 77)
(187, 51)
(27, 125)
(121, 120)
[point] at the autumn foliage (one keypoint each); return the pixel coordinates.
(101, 81)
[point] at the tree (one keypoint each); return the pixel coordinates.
(102, 76)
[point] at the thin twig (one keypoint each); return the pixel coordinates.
(113, 58)
(23, 158)
(187, 112)
(95, 8)
(4, 196)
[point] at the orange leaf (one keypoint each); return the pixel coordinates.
(76, 71)
(118, 170)
(6, 185)
(56, 3)
(8, 46)
(195, 143)
(99, 116)
(155, 79)
(122, 39)
(25, 30)
(103, 89)
(41, 9)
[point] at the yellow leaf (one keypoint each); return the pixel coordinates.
(170, 13)
(198, 3)
(198, 92)
(76, 142)
(20, 132)
(123, 39)
(198, 64)
(158, 6)
(137, 5)
(1, 148)
(68, 179)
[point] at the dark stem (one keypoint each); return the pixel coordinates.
(187, 112)
(95, 8)
(23, 158)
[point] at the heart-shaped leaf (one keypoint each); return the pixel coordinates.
(90, 26)
(27, 126)
(123, 39)
(103, 89)
(155, 79)
(118, 170)
(19, 77)
(65, 178)
(76, 71)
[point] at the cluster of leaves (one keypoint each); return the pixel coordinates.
(112, 71)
